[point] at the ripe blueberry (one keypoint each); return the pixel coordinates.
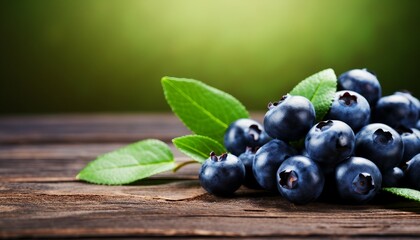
(381, 144)
(267, 161)
(357, 180)
(222, 175)
(290, 118)
(393, 177)
(411, 142)
(363, 82)
(351, 108)
(300, 180)
(412, 172)
(330, 142)
(244, 133)
(410, 97)
(247, 159)
(396, 110)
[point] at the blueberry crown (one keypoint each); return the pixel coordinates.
(274, 104)
(382, 137)
(216, 158)
(348, 99)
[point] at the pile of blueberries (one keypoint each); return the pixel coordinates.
(365, 142)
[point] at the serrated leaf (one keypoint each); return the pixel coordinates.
(319, 89)
(130, 163)
(198, 147)
(404, 192)
(203, 109)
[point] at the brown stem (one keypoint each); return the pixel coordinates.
(180, 165)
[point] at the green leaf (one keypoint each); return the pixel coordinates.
(198, 147)
(404, 192)
(203, 109)
(319, 89)
(130, 163)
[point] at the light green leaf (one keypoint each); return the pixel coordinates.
(404, 192)
(319, 89)
(130, 163)
(203, 109)
(198, 147)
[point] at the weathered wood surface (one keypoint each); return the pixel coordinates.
(39, 197)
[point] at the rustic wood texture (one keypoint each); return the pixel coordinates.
(39, 197)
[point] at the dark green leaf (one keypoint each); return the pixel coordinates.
(404, 192)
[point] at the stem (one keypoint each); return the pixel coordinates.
(180, 165)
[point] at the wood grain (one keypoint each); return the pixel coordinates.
(65, 209)
(62, 162)
(39, 197)
(111, 128)
(89, 128)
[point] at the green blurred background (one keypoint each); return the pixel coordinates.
(109, 55)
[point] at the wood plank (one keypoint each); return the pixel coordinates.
(39, 198)
(89, 128)
(83, 210)
(72, 128)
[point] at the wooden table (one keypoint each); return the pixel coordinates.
(40, 198)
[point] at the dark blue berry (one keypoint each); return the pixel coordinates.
(222, 175)
(267, 161)
(411, 142)
(290, 118)
(410, 97)
(396, 110)
(300, 180)
(351, 108)
(381, 144)
(393, 177)
(247, 159)
(357, 180)
(330, 142)
(244, 133)
(363, 82)
(413, 172)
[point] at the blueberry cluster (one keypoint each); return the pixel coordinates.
(365, 142)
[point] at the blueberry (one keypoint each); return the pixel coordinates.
(300, 180)
(357, 180)
(247, 159)
(395, 110)
(244, 133)
(411, 142)
(290, 118)
(351, 108)
(411, 98)
(418, 125)
(267, 161)
(330, 142)
(381, 144)
(393, 177)
(412, 172)
(363, 82)
(222, 175)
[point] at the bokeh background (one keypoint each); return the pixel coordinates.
(109, 56)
